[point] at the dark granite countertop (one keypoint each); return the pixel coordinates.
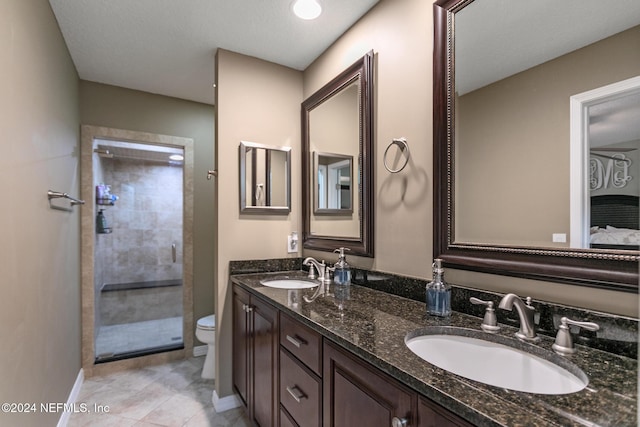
(373, 325)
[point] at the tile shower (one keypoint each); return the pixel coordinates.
(137, 267)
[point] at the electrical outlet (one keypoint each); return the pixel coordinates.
(559, 237)
(292, 243)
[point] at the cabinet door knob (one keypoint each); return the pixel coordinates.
(399, 422)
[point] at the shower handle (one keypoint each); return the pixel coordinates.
(173, 252)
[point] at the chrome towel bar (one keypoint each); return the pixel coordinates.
(59, 195)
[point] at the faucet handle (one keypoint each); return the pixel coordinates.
(564, 342)
(490, 321)
(312, 272)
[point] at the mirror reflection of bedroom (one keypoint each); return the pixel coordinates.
(614, 172)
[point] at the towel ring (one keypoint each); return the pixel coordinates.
(402, 143)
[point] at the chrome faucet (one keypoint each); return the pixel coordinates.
(525, 312)
(321, 267)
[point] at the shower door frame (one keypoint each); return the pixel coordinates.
(87, 232)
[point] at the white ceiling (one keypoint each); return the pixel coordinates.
(495, 39)
(168, 46)
(614, 123)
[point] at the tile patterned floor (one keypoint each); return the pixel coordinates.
(130, 337)
(171, 395)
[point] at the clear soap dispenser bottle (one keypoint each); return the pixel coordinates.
(342, 271)
(438, 292)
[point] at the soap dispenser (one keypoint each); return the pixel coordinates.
(101, 223)
(438, 292)
(342, 271)
(342, 280)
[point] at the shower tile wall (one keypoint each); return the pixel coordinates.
(145, 222)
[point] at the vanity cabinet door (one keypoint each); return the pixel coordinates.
(255, 356)
(241, 337)
(432, 415)
(358, 394)
(264, 369)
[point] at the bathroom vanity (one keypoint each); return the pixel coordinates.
(343, 361)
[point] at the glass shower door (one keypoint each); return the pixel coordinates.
(138, 250)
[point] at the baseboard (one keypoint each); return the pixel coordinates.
(225, 403)
(200, 350)
(73, 396)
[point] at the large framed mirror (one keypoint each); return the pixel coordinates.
(265, 178)
(512, 192)
(337, 162)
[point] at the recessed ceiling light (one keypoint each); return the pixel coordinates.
(176, 157)
(307, 9)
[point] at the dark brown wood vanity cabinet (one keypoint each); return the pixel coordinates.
(433, 415)
(289, 375)
(300, 374)
(356, 394)
(255, 356)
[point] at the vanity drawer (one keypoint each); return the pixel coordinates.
(302, 342)
(285, 419)
(300, 391)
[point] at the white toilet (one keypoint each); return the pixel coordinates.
(206, 333)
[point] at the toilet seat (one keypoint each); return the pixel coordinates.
(207, 323)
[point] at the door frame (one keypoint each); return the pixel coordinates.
(579, 193)
(88, 134)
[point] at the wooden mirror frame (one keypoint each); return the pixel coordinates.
(362, 69)
(605, 269)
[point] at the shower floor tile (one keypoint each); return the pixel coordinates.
(129, 337)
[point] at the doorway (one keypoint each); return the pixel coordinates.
(137, 247)
(604, 125)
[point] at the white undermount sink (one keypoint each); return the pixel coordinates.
(289, 283)
(494, 363)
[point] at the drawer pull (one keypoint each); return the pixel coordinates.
(297, 341)
(296, 393)
(399, 422)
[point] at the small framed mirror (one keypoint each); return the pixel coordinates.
(265, 178)
(333, 175)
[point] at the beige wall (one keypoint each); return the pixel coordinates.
(256, 101)
(116, 107)
(515, 132)
(39, 255)
(401, 34)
